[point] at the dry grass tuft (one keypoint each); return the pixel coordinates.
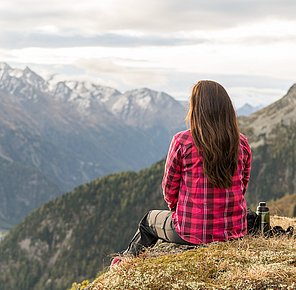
(250, 263)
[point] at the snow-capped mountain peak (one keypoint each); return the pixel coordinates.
(63, 92)
(141, 107)
(4, 66)
(25, 83)
(6, 70)
(31, 75)
(34, 79)
(81, 88)
(82, 95)
(142, 97)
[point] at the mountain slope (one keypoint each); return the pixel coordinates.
(263, 123)
(272, 135)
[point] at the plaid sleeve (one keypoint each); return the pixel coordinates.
(247, 166)
(172, 174)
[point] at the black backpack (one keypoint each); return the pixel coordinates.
(254, 226)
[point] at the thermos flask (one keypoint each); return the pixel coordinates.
(264, 218)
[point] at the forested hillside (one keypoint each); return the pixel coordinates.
(71, 237)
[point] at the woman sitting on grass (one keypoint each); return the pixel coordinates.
(205, 179)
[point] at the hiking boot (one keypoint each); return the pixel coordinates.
(116, 261)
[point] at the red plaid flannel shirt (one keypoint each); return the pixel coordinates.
(202, 212)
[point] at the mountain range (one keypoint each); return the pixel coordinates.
(72, 132)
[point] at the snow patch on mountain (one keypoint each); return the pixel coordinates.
(91, 90)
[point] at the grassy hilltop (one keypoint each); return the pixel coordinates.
(250, 263)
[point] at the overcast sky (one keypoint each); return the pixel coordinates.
(246, 45)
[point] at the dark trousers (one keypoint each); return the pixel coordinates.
(156, 224)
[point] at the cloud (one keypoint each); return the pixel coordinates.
(135, 23)
(51, 37)
(91, 16)
(127, 75)
(52, 40)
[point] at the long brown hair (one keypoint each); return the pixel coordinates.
(214, 128)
